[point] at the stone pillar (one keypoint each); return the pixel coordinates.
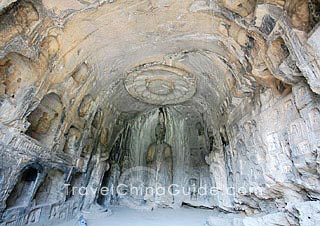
(94, 185)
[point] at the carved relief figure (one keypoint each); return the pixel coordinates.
(85, 106)
(34, 216)
(159, 158)
(194, 186)
(20, 19)
(45, 118)
(294, 129)
(314, 116)
(298, 12)
(73, 138)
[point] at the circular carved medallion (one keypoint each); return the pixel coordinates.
(160, 84)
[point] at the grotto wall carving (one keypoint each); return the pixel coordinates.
(265, 156)
(170, 86)
(183, 150)
(45, 118)
(81, 84)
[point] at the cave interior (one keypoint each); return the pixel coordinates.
(214, 94)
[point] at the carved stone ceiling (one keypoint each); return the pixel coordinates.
(160, 84)
(142, 52)
(120, 37)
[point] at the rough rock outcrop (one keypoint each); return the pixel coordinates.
(237, 84)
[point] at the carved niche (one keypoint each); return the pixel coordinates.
(45, 118)
(314, 117)
(85, 106)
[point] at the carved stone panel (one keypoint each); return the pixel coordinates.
(160, 84)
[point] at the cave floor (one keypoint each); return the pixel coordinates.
(161, 217)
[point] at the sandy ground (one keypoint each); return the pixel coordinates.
(161, 217)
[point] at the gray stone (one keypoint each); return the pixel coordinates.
(233, 86)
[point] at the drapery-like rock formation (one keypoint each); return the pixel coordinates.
(82, 83)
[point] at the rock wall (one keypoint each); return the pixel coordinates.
(271, 159)
(187, 139)
(51, 136)
(78, 77)
(38, 179)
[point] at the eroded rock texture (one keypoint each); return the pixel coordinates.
(233, 86)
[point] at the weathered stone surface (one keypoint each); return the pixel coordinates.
(235, 84)
(312, 41)
(228, 220)
(308, 213)
(160, 84)
(268, 220)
